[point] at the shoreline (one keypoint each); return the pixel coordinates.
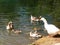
(46, 41)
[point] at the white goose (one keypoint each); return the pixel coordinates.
(51, 29)
(34, 35)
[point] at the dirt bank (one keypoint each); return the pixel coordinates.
(47, 41)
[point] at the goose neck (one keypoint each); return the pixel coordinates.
(45, 21)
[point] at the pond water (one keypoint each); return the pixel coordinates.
(22, 23)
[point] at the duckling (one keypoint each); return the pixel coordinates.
(34, 19)
(34, 34)
(9, 27)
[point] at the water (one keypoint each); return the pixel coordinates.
(20, 23)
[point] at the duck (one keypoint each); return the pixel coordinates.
(34, 34)
(9, 26)
(51, 29)
(34, 19)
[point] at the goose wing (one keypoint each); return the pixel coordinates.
(51, 28)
